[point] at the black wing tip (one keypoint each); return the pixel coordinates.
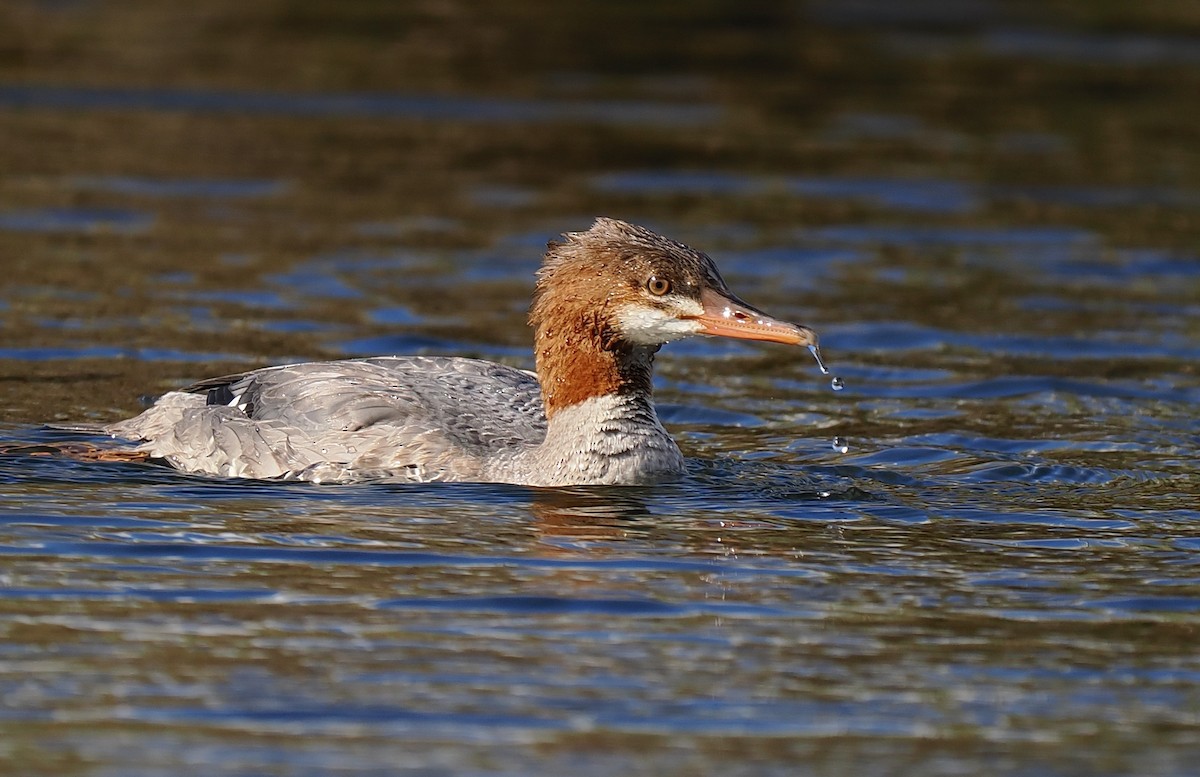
(220, 395)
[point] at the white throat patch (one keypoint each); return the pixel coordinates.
(646, 325)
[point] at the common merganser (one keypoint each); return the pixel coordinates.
(605, 301)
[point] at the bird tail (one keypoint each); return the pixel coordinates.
(78, 426)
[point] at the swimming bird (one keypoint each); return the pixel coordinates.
(605, 300)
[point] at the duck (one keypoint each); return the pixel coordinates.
(605, 300)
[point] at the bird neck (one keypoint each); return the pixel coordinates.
(582, 359)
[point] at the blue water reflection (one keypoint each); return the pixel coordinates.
(112, 220)
(398, 106)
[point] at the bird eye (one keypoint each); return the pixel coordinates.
(658, 286)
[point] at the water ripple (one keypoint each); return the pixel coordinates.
(379, 105)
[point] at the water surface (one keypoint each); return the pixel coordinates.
(981, 557)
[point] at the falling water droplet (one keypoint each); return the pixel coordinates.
(837, 383)
(840, 445)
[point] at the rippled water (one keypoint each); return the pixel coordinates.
(980, 557)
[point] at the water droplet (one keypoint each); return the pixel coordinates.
(837, 384)
(840, 445)
(816, 352)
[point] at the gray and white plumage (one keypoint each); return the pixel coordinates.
(416, 418)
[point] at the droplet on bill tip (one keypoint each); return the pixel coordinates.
(816, 352)
(837, 383)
